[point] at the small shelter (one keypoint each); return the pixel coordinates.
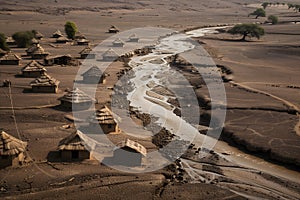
(11, 150)
(45, 84)
(58, 60)
(87, 53)
(76, 100)
(31, 49)
(94, 75)
(10, 59)
(38, 52)
(129, 153)
(83, 42)
(10, 41)
(73, 148)
(38, 35)
(118, 43)
(104, 117)
(113, 29)
(62, 40)
(133, 38)
(57, 34)
(2, 52)
(33, 70)
(34, 41)
(79, 35)
(110, 55)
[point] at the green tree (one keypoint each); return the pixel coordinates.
(265, 5)
(70, 29)
(247, 30)
(260, 12)
(3, 44)
(23, 38)
(273, 19)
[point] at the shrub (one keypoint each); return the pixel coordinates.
(3, 44)
(273, 19)
(70, 29)
(23, 38)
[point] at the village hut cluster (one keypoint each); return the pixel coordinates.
(75, 146)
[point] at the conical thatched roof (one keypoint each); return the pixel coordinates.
(113, 28)
(45, 80)
(76, 96)
(10, 146)
(118, 41)
(10, 56)
(39, 35)
(34, 41)
(103, 116)
(57, 33)
(93, 72)
(38, 50)
(62, 39)
(73, 142)
(110, 53)
(86, 50)
(34, 66)
(79, 35)
(133, 145)
(133, 37)
(32, 48)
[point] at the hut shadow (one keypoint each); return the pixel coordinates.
(27, 90)
(54, 156)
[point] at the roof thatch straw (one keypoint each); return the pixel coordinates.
(10, 146)
(10, 56)
(103, 116)
(79, 35)
(57, 34)
(38, 50)
(34, 66)
(133, 145)
(73, 142)
(118, 41)
(62, 39)
(133, 37)
(93, 72)
(86, 51)
(110, 53)
(45, 80)
(76, 96)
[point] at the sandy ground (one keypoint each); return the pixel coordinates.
(257, 122)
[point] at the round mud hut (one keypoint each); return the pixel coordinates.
(11, 150)
(105, 119)
(76, 100)
(94, 75)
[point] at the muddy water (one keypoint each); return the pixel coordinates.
(148, 70)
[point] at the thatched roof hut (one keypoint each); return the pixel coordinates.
(83, 42)
(38, 35)
(11, 150)
(129, 153)
(45, 84)
(109, 55)
(93, 75)
(37, 52)
(113, 29)
(133, 38)
(57, 34)
(10, 59)
(88, 53)
(79, 35)
(77, 100)
(10, 41)
(33, 69)
(34, 41)
(118, 43)
(104, 117)
(62, 39)
(74, 147)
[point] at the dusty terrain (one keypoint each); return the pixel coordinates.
(262, 114)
